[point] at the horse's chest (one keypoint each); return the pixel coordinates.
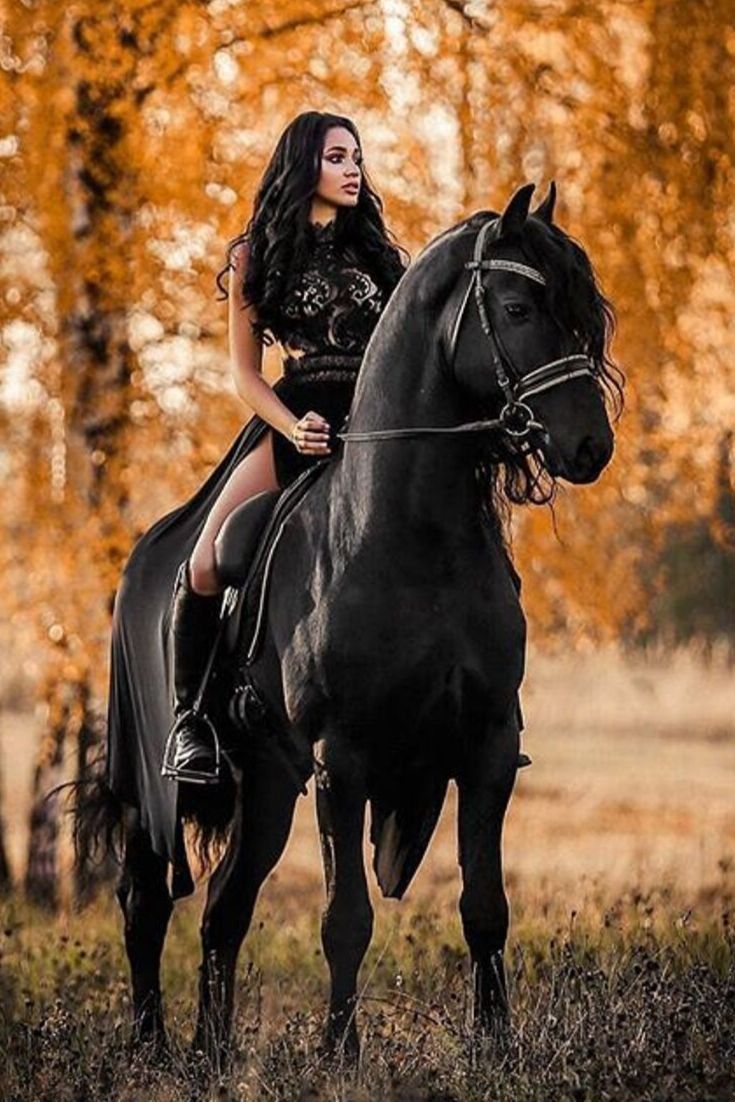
(410, 654)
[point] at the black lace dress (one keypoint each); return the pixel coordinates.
(330, 309)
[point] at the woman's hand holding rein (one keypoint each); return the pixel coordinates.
(310, 434)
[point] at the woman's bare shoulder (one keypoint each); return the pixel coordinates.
(240, 255)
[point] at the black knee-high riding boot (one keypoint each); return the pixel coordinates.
(192, 754)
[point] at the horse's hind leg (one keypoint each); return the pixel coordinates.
(146, 905)
(263, 816)
(347, 923)
(485, 784)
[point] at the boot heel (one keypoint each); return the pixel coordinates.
(190, 722)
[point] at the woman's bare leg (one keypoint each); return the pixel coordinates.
(256, 472)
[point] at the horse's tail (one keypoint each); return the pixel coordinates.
(210, 816)
(97, 816)
(98, 829)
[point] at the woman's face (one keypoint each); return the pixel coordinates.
(341, 169)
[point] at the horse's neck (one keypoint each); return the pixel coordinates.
(421, 485)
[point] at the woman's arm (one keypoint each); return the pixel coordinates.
(246, 354)
(310, 434)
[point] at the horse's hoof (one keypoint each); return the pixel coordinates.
(341, 1047)
(152, 1047)
(493, 1032)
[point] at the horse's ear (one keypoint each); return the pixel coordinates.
(513, 218)
(545, 209)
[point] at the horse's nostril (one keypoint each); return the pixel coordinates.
(592, 455)
(586, 451)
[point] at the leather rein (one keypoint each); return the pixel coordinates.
(516, 419)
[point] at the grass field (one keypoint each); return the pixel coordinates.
(619, 855)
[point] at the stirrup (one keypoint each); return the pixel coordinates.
(169, 767)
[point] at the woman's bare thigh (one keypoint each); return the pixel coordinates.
(254, 473)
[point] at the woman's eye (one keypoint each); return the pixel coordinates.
(516, 309)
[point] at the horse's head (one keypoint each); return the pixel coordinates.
(525, 336)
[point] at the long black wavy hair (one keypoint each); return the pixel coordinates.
(278, 233)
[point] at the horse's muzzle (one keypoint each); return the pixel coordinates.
(590, 459)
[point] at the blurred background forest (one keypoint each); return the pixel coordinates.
(133, 137)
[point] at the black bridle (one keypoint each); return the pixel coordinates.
(516, 419)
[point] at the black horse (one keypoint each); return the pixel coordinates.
(392, 651)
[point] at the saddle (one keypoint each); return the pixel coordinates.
(244, 550)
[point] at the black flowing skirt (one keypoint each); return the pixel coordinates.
(141, 699)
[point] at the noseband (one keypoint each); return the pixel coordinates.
(516, 419)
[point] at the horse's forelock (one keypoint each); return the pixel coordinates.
(570, 279)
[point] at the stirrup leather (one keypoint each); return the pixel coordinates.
(180, 772)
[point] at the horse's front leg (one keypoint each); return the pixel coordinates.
(265, 800)
(347, 922)
(485, 784)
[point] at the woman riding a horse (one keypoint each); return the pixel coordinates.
(393, 643)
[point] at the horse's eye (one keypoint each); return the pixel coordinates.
(516, 309)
